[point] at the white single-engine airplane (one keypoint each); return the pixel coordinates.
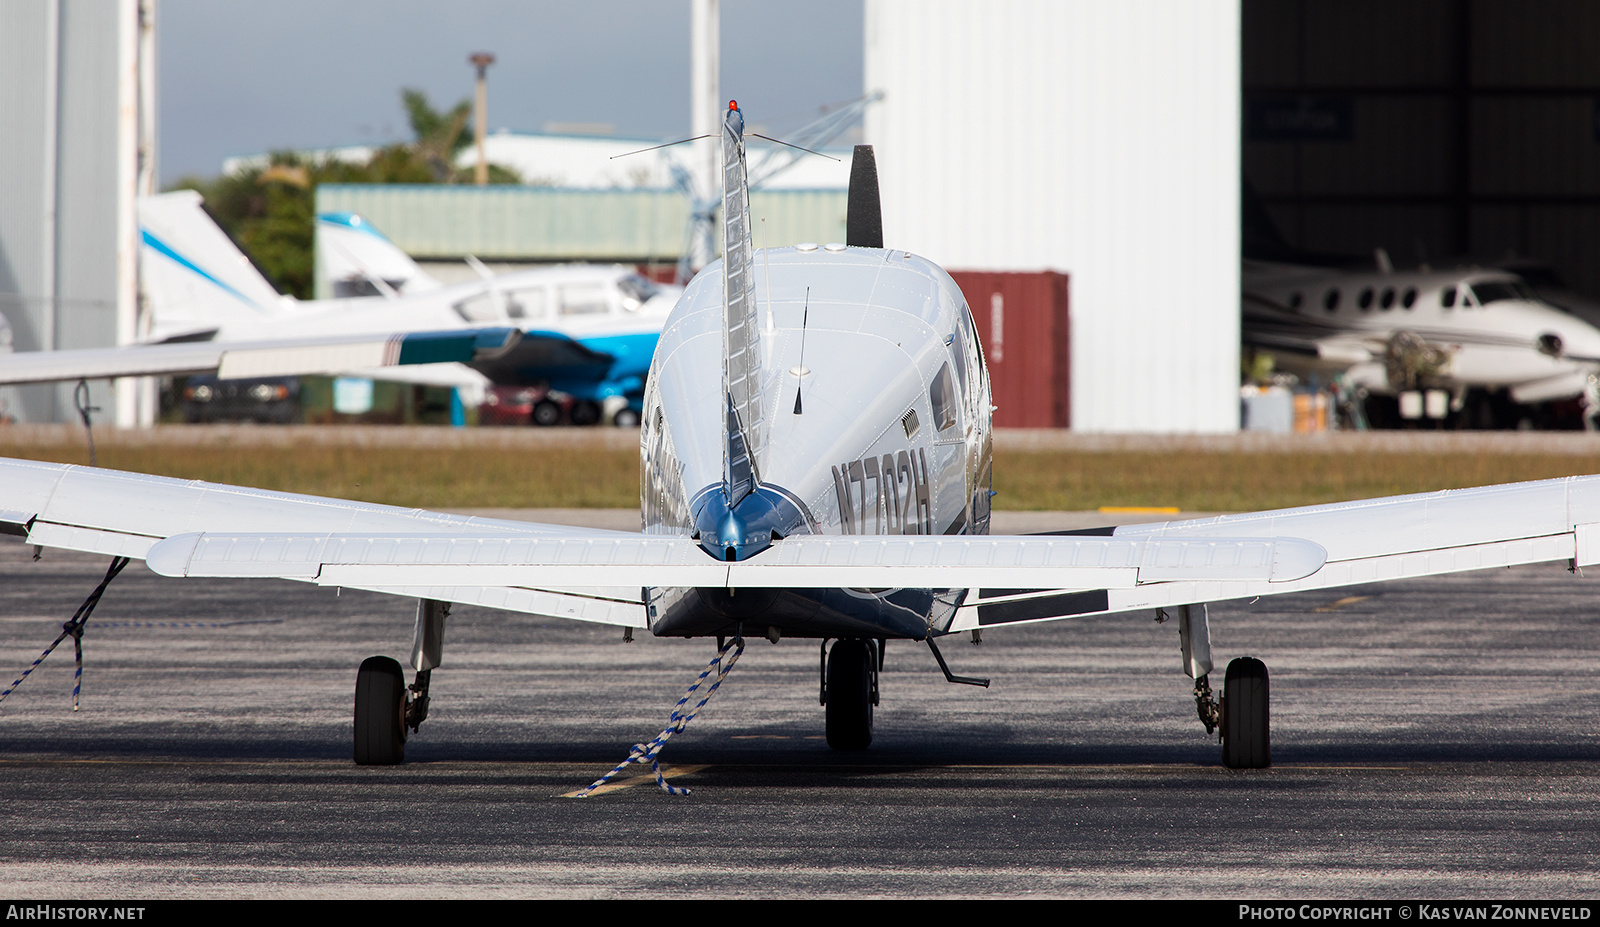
(585, 330)
(823, 479)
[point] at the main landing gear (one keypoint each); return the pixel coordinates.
(1243, 715)
(386, 708)
(380, 713)
(1246, 734)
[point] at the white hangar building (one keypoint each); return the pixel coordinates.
(1097, 139)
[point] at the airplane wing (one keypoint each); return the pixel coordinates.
(546, 357)
(328, 354)
(195, 529)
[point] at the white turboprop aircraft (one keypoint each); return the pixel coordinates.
(1464, 329)
(586, 330)
(814, 479)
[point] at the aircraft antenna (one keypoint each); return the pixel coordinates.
(796, 147)
(801, 370)
(681, 141)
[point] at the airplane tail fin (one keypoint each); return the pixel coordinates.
(741, 363)
(194, 278)
(358, 260)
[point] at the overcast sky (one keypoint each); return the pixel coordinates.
(240, 77)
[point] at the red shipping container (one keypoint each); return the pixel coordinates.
(1023, 323)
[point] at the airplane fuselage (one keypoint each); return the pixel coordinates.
(890, 436)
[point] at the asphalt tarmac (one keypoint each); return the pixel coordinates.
(1433, 739)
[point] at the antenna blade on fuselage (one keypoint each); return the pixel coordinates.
(741, 364)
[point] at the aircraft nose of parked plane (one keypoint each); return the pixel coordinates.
(1570, 338)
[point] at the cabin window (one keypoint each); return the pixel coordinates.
(526, 304)
(479, 307)
(1447, 297)
(1493, 291)
(1410, 297)
(975, 369)
(1330, 299)
(1387, 299)
(959, 354)
(1365, 301)
(942, 396)
(584, 299)
(636, 291)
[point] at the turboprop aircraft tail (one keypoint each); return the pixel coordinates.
(194, 278)
(741, 363)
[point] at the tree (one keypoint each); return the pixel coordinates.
(269, 210)
(439, 135)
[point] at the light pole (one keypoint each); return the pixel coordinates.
(480, 116)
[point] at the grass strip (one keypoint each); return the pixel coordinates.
(579, 477)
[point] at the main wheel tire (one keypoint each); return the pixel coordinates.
(380, 713)
(585, 413)
(1246, 716)
(545, 413)
(849, 708)
(626, 418)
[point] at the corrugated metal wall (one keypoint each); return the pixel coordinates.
(552, 224)
(1093, 138)
(64, 189)
(1474, 128)
(1025, 327)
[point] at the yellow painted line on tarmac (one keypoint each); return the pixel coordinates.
(1341, 603)
(667, 771)
(1139, 509)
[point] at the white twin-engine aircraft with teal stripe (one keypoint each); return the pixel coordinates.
(816, 464)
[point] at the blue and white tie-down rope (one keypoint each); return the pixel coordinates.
(677, 721)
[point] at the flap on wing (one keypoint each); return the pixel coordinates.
(610, 608)
(14, 522)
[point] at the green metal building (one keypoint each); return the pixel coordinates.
(521, 225)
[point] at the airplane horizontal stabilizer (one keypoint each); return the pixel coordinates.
(800, 562)
(1373, 540)
(68, 507)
